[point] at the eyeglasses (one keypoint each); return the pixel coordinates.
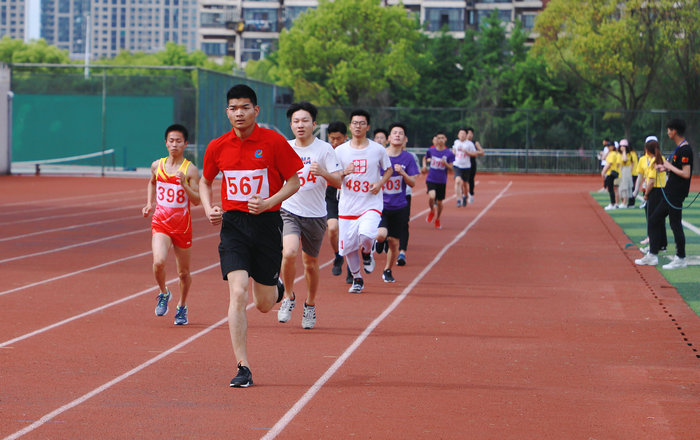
(358, 123)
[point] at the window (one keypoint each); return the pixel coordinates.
(260, 20)
(437, 18)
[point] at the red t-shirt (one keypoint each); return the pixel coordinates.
(259, 164)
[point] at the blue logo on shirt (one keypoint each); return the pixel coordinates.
(258, 154)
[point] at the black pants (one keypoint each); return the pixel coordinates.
(656, 224)
(654, 197)
(633, 199)
(610, 185)
(472, 173)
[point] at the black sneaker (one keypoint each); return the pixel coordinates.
(388, 277)
(337, 265)
(368, 262)
(380, 246)
(280, 289)
(348, 277)
(243, 379)
(401, 261)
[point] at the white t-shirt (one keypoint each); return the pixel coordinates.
(310, 200)
(460, 149)
(370, 163)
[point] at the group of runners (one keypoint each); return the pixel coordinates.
(279, 196)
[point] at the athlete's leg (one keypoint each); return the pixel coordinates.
(311, 274)
(392, 253)
(354, 264)
(182, 258)
(459, 188)
(290, 250)
(439, 208)
(381, 234)
(237, 321)
(161, 244)
(333, 233)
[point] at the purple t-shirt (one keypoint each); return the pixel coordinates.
(437, 170)
(395, 188)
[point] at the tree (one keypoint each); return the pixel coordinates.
(17, 51)
(614, 47)
(346, 52)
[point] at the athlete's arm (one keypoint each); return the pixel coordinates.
(410, 180)
(333, 179)
(150, 191)
(680, 172)
(478, 147)
(190, 183)
(376, 186)
(257, 204)
(213, 213)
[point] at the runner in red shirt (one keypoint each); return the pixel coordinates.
(259, 171)
(173, 185)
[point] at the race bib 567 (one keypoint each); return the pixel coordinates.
(243, 184)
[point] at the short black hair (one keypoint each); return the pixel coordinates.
(302, 105)
(337, 127)
(440, 133)
(678, 125)
(360, 112)
(381, 130)
(241, 91)
(468, 129)
(397, 124)
(176, 127)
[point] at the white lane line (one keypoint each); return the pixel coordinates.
(95, 310)
(65, 228)
(316, 387)
(100, 196)
(47, 418)
(87, 269)
(74, 214)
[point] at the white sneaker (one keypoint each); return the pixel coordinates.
(647, 260)
(368, 261)
(676, 263)
(309, 319)
(285, 311)
(644, 250)
(610, 207)
(471, 199)
(622, 206)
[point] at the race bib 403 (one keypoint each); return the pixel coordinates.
(241, 185)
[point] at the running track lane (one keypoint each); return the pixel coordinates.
(519, 347)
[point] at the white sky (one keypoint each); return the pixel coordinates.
(33, 12)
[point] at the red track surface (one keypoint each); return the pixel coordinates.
(523, 318)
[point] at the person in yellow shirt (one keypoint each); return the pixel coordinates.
(654, 181)
(625, 184)
(635, 160)
(610, 172)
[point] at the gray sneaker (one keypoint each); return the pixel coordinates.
(181, 316)
(309, 319)
(162, 304)
(285, 311)
(357, 285)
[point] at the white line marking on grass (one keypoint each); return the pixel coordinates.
(316, 387)
(87, 269)
(691, 226)
(95, 310)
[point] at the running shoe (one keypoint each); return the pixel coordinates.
(676, 263)
(243, 379)
(357, 285)
(348, 276)
(471, 198)
(337, 265)
(643, 205)
(401, 261)
(368, 262)
(285, 311)
(388, 277)
(464, 201)
(162, 304)
(459, 203)
(181, 316)
(610, 207)
(438, 225)
(309, 319)
(380, 246)
(647, 260)
(430, 216)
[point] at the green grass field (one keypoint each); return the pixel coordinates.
(633, 223)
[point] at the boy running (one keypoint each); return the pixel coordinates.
(259, 172)
(337, 135)
(360, 206)
(395, 214)
(437, 160)
(463, 150)
(173, 186)
(304, 213)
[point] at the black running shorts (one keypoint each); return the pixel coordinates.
(439, 189)
(395, 221)
(252, 243)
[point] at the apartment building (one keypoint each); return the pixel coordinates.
(112, 26)
(13, 19)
